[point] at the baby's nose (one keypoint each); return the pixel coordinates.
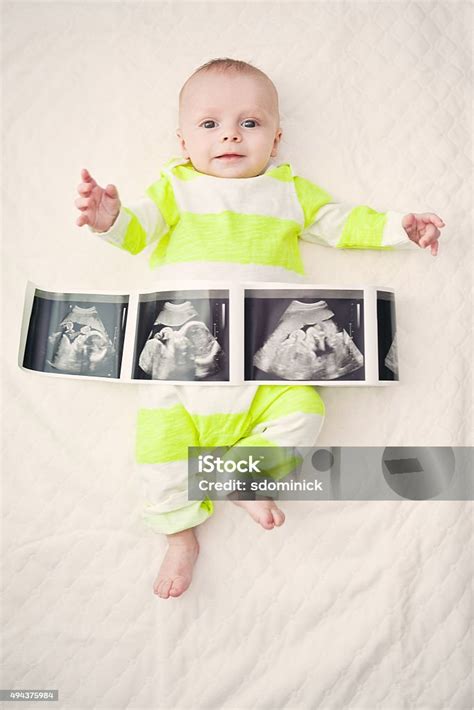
(231, 136)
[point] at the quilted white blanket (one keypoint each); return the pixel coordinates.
(356, 605)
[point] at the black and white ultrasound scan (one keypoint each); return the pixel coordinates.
(318, 336)
(387, 336)
(76, 334)
(183, 336)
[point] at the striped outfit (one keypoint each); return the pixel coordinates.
(201, 227)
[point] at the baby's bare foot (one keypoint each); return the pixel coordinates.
(265, 512)
(176, 570)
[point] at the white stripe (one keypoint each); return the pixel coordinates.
(166, 485)
(262, 195)
(231, 272)
(116, 233)
(217, 400)
(394, 234)
(297, 429)
(147, 214)
(157, 397)
(150, 218)
(328, 225)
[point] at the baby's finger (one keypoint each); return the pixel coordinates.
(430, 235)
(111, 191)
(82, 203)
(82, 220)
(85, 188)
(87, 177)
(434, 248)
(431, 218)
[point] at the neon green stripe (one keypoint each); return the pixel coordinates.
(363, 229)
(164, 435)
(198, 234)
(275, 401)
(221, 429)
(281, 172)
(158, 256)
(135, 236)
(162, 194)
(176, 520)
(311, 198)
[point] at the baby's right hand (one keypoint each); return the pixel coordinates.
(99, 206)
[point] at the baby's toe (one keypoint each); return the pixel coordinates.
(164, 588)
(278, 517)
(178, 586)
(266, 519)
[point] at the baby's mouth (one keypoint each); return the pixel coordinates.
(229, 156)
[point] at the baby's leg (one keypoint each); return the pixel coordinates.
(173, 418)
(163, 435)
(289, 416)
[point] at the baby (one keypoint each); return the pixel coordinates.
(227, 210)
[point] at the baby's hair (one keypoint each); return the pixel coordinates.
(223, 64)
(226, 63)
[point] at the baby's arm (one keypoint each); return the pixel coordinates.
(130, 228)
(346, 226)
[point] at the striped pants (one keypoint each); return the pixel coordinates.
(176, 417)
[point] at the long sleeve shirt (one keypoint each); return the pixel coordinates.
(200, 226)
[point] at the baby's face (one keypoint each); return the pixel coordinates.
(224, 113)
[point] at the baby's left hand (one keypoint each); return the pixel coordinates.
(423, 229)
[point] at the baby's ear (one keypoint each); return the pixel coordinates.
(276, 142)
(182, 146)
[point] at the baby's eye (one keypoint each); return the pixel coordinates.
(250, 120)
(205, 124)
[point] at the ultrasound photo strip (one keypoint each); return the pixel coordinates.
(207, 333)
